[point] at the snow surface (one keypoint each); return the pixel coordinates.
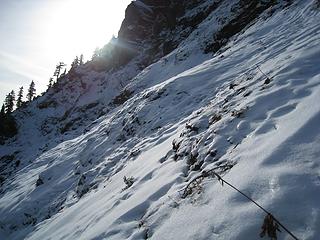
(268, 131)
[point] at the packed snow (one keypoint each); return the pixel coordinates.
(253, 108)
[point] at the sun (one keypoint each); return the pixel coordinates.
(79, 26)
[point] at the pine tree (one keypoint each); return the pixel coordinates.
(78, 61)
(13, 97)
(3, 111)
(64, 73)
(75, 63)
(9, 102)
(31, 91)
(50, 82)
(20, 96)
(81, 59)
(59, 67)
(8, 125)
(56, 73)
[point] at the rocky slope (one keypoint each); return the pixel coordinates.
(188, 86)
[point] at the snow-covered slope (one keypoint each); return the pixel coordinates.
(251, 109)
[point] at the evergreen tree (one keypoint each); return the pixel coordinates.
(56, 73)
(3, 111)
(81, 59)
(8, 125)
(31, 91)
(64, 73)
(50, 82)
(59, 67)
(20, 96)
(13, 98)
(9, 102)
(75, 63)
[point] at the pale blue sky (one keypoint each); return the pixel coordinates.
(36, 34)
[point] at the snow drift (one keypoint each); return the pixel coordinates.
(250, 107)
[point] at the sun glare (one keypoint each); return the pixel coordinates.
(79, 26)
(37, 34)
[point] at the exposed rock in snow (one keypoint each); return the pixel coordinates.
(227, 85)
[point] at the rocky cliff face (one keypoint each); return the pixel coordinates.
(158, 27)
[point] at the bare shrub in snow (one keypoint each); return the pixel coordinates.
(39, 182)
(128, 181)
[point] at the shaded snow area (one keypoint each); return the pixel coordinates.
(250, 110)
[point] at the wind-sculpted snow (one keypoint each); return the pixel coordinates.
(253, 107)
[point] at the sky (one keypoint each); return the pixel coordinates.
(37, 34)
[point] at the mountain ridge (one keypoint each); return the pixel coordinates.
(186, 112)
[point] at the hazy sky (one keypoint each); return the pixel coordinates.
(36, 34)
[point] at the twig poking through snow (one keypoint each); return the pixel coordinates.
(268, 80)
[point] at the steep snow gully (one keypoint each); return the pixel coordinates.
(251, 108)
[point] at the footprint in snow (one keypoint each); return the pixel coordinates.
(265, 128)
(283, 110)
